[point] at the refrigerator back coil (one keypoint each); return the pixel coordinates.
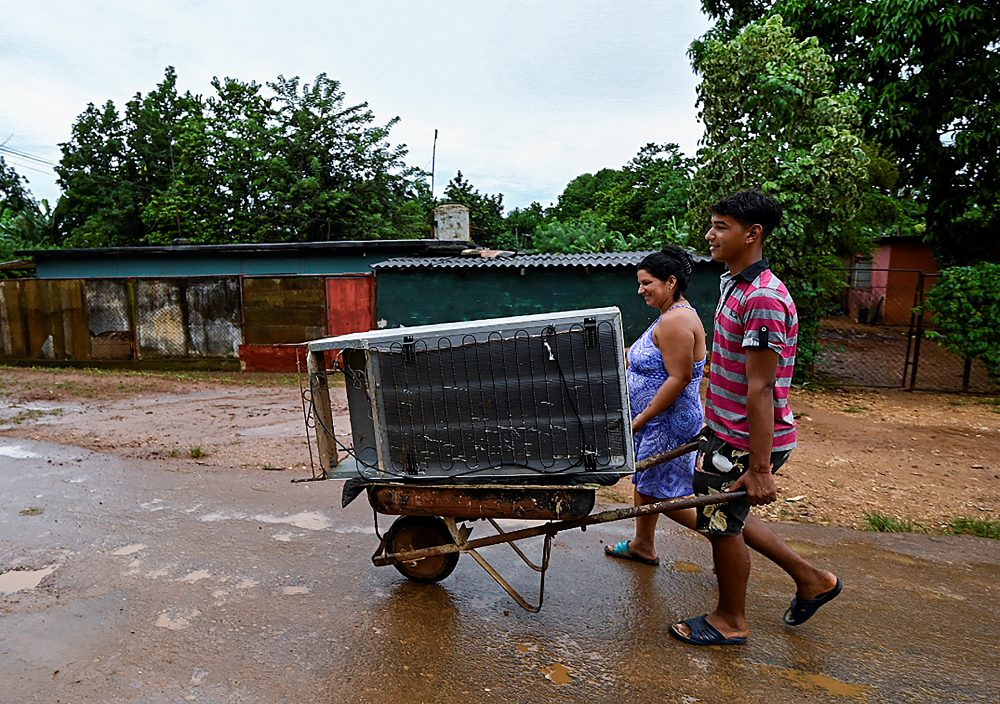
(541, 398)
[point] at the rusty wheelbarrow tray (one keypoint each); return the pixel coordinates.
(424, 544)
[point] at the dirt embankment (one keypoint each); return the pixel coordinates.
(924, 457)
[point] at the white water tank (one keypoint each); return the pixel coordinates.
(451, 222)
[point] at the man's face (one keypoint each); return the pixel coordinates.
(728, 240)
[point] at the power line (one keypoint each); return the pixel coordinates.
(28, 167)
(25, 155)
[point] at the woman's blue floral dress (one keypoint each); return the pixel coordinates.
(675, 426)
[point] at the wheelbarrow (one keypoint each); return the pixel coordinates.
(508, 418)
(425, 542)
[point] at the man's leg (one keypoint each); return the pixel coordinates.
(732, 572)
(809, 580)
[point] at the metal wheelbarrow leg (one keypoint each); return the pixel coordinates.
(460, 542)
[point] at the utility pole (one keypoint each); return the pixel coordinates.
(433, 159)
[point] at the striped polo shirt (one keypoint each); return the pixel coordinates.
(755, 310)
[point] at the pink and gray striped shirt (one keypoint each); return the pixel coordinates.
(755, 310)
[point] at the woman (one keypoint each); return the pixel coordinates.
(665, 368)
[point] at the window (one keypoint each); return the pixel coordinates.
(861, 274)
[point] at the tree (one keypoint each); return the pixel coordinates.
(773, 121)
(14, 193)
(522, 223)
(284, 161)
(651, 191)
(966, 305)
(485, 213)
(581, 194)
(926, 75)
(577, 236)
(24, 223)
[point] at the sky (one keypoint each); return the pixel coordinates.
(526, 95)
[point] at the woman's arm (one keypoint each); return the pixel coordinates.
(675, 340)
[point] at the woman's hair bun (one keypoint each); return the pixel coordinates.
(682, 257)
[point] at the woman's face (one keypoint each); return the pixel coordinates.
(655, 291)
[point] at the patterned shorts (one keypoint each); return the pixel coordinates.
(721, 465)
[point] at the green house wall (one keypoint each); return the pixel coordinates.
(425, 296)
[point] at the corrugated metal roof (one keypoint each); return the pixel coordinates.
(526, 261)
(259, 249)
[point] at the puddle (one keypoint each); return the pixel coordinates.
(20, 580)
(813, 681)
(687, 567)
(129, 549)
(309, 520)
(804, 549)
(178, 621)
(17, 452)
(196, 576)
(557, 673)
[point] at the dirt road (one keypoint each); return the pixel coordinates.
(914, 456)
(132, 581)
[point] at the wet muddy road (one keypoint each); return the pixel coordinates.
(125, 581)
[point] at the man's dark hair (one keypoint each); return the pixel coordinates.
(751, 208)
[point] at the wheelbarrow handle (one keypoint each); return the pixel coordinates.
(673, 454)
(554, 527)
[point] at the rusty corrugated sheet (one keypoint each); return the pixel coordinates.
(43, 320)
(283, 309)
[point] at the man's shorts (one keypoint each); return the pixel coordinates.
(721, 465)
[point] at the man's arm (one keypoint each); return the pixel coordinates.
(762, 366)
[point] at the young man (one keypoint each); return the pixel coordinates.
(750, 429)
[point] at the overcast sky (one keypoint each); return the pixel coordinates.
(525, 94)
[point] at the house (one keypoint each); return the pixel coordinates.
(885, 286)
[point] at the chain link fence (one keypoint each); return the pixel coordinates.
(877, 339)
(121, 319)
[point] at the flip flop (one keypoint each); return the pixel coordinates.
(622, 552)
(802, 610)
(703, 633)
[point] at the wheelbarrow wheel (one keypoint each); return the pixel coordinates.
(415, 533)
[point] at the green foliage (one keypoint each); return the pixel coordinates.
(965, 304)
(774, 122)
(575, 236)
(980, 527)
(284, 161)
(926, 75)
(960, 525)
(645, 199)
(24, 223)
(522, 223)
(588, 234)
(485, 213)
(882, 523)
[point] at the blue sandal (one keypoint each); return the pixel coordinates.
(802, 610)
(703, 633)
(622, 552)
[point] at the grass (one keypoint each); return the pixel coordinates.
(32, 414)
(881, 523)
(855, 409)
(197, 452)
(981, 527)
(960, 525)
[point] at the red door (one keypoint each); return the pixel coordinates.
(350, 304)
